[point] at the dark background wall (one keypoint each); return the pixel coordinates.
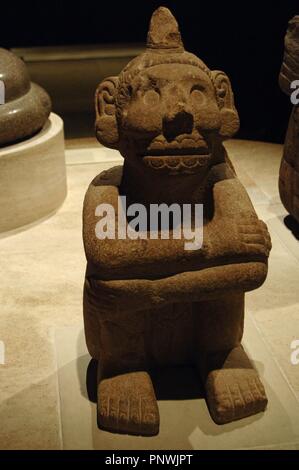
(245, 39)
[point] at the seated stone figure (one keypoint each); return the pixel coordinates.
(289, 168)
(150, 303)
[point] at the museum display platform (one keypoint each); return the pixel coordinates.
(45, 403)
(32, 177)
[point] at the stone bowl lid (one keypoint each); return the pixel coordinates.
(14, 74)
(24, 106)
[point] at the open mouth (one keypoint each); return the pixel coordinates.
(176, 152)
(186, 154)
(177, 158)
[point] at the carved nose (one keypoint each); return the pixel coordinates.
(179, 123)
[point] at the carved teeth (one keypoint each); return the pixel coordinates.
(173, 162)
(161, 151)
(190, 162)
(181, 143)
(176, 163)
(157, 163)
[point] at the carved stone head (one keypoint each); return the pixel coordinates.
(166, 112)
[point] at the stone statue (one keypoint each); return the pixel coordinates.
(289, 169)
(150, 303)
(24, 106)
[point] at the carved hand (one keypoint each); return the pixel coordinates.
(235, 230)
(238, 240)
(254, 237)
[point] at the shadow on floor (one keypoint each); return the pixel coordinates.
(292, 225)
(177, 383)
(91, 380)
(170, 383)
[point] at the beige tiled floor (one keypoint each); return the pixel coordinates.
(43, 402)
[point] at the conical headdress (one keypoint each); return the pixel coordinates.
(164, 46)
(164, 32)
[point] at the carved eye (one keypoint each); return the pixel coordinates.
(197, 94)
(151, 98)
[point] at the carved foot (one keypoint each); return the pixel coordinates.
(127, 404)
(233, 389)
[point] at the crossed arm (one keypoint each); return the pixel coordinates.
(233, 234)
(235, 231)
(234, 253)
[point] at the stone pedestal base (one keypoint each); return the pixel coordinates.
(32, 177)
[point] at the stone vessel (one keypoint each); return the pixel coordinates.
(25, 106)
(149, 303)
(289, 168)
